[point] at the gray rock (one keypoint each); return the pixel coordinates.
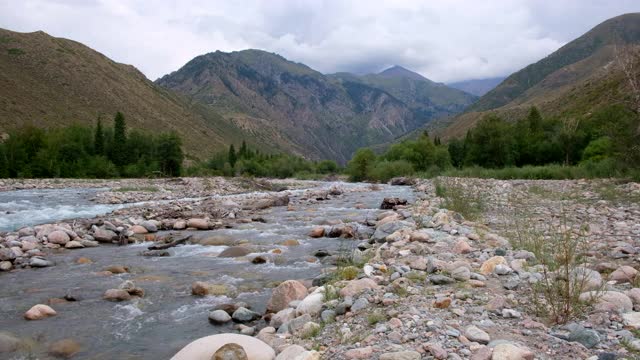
(244, 315)
(150, 226)
(39, 262)
(360, 304)
(389, 228)
(587, 337)
(441, 280)
(219, 317)
(473, 333)
(7, 255)
(295, 325)
(328, 316)
(461, 274)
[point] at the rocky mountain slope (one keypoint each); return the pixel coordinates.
(49, 82)
(572, 81)
(477, 87)
(326, 116)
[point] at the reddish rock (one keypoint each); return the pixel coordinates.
(285, 293)
(38, 312)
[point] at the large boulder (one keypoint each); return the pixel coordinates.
(356, 287)
(103, 235)
(608, 301)
(204, 348)
(200, 224)
(285, 293)
(58, 237)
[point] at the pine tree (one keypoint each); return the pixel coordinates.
(98, 140)
(242, 154)
(119, 151)
(232, 156)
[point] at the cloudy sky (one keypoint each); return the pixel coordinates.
(446, 40)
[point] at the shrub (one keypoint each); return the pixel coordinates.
(385, 170)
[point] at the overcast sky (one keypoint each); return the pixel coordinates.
(447, 40)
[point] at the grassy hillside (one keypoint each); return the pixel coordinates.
(52, 82)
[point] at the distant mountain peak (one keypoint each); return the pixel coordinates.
(398, 71)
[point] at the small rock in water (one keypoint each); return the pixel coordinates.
(244, 315)
(37, 261)
(38, 312)
(116, 295)
(66, 348)
(219, 317)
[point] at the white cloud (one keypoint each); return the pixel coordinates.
(443, 40)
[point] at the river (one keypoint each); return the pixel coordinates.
(168, 317)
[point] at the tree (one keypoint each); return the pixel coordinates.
(119, 154)
(98, 139)
(169, 154)
(242, 154)
(360, 165)
(232, 156)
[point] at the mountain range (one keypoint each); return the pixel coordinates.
(572, 81)
(219, 98)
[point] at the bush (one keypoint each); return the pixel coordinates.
(385, 170)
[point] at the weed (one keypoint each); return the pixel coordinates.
(376, 317)
(460, 199)
(15, 51)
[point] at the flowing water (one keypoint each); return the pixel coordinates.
(169, 317)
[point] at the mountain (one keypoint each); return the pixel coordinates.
(572, 81)
(50, 82)
(477, 87)
(431, 99)
(324, 116)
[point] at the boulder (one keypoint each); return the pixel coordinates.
(317, 232)
(179, 225)
(6, 265)
(282, 317)
(235, 251)
(150, 226)
(138, 229)
(8, 343)
(506, 351)
(39, 262)
(243, 314)
(201, 288)
(116, 295)
(608, 300)
(7, 254)
(476, 334)
(230, 352)
(390, 203)
(73, 244)
(356, 287)
(58, 237)
(386, 229)
(103, 235)
(291, 352)
(200, 224)
(205, 348)
(285, 293)
(624, 274)
(38, 312)
(490, 265)
(65, 348)
(590, 279)
(312, 304)
(632, 320)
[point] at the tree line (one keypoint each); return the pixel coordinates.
(605, 143)
(79, 151)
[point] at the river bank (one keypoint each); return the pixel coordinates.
(420, 281)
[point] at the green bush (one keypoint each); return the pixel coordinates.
(385, 170)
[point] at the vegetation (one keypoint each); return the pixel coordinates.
(602, 144)
(405, 158)
(80, 151)
(249, 162)
(457, 198)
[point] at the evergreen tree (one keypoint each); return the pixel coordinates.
(232, 156)
(98, 139)
(242, 154)
(170, 154)
(119, 147)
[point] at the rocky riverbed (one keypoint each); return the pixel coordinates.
(413, 281)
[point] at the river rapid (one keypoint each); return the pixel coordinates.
(168, 317)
